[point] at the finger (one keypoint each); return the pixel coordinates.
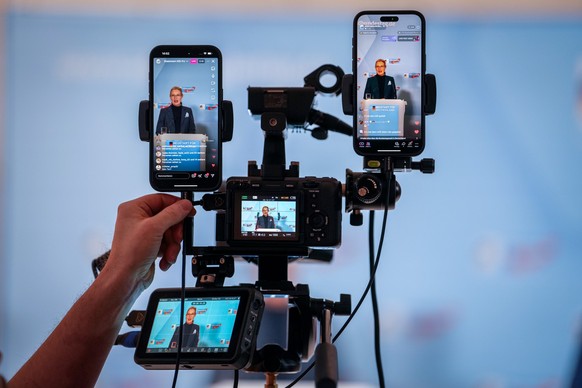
(175, 233)
(162, 249)
(158, 201)
(171, 215)
(170, 256)
(172, 244)
(155, 203)
(164, 265)
(151, 204)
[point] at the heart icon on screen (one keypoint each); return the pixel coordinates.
(416, 131)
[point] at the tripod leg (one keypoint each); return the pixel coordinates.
(270, 380)
(326, 374)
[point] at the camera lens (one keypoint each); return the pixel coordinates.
(273, 122)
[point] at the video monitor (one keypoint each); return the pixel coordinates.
(218, 327)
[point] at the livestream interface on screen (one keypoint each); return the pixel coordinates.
(185, 113)
(208, 325)
(389, 72)
(268, 216)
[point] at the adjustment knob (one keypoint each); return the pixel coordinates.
(368, 188)
(426, 166)
(356, 218)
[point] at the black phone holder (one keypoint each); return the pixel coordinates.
(376, 188)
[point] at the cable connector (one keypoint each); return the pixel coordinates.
(128, 340)
(98, 263)
(135, 318)
(214, 201)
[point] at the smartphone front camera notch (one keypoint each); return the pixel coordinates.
(389, 19)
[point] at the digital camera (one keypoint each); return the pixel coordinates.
(292, 212)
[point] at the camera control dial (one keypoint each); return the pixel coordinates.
(317, 220)
(368, 188)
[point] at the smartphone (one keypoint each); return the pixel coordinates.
(389, 67)
(185, 92)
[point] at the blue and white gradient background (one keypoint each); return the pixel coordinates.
(479, 282)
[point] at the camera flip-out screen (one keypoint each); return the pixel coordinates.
(266, 217)
(218, 328)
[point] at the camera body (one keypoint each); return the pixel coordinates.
(285, 213)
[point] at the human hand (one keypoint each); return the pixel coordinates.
(147, 228)
(2, 381)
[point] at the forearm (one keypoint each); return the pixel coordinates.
(74, 354)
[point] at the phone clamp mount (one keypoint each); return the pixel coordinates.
(376, 188)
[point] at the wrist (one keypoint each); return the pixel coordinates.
(124, 283)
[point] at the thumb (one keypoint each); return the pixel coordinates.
(173, 214)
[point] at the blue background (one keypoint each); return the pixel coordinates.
(479, 282)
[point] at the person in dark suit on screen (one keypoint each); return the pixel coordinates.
(190, 333)
(265, 221)
(380, 86)
(176, 118)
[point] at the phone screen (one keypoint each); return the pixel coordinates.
(185, 98)
(388, 60)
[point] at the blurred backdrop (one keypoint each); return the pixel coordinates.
(479, 281)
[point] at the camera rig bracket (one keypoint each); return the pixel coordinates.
(376, 188)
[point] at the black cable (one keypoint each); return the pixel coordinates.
(380, 244)
(329, 122)
(182, 298)
(374, 299)
(235, 384)
(363, 297)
